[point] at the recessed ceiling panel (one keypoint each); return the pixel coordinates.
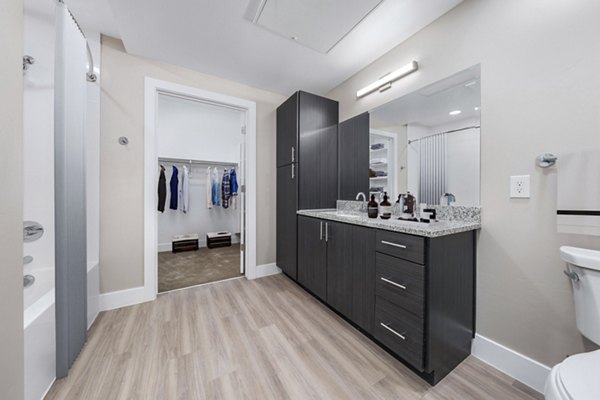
(317, 24)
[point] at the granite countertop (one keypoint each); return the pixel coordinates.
(432, 229)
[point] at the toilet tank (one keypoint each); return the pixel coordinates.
(584, 266)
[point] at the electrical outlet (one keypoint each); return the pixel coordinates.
(520, 187)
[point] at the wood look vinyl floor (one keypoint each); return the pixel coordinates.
(261, 339)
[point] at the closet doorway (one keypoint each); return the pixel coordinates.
(199, 143)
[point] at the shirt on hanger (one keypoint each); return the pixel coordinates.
(209, 203)
(226, 188)
(184, 191)
(215, 187)
(174, 185)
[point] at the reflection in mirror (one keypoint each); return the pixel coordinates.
(428, 143)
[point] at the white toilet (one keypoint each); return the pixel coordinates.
(578, 377)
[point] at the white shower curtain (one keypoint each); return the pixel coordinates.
(432, 176)
(69, 174)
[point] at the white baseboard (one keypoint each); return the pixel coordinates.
(266, 270)
(513, 364)
(124, 298)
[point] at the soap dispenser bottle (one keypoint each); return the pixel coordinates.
(372, 207)
(385, 208)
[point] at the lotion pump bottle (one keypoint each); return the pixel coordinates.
(385, 207)
(372, 207)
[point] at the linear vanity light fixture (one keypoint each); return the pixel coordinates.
(385, 82)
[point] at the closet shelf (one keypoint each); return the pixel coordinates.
(197, 162)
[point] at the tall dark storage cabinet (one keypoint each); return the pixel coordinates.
(307, 166)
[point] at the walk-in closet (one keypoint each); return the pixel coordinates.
(200, 201)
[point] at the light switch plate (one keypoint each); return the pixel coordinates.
(520, 187)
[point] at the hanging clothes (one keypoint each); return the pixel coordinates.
(174, 186)
(162, 190)
(215, 187)
(209, 203)
(184, 190)
(234, 188)
(226, 188)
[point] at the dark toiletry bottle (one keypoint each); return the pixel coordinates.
(372, 207)
(385, 208)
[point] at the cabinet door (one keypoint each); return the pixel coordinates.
(318, 130)
(339, 267)
(353, 143)
(287, 195)
(363, 277)
(312, 256)
(287, 131)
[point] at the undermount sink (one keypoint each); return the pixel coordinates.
(346, 215)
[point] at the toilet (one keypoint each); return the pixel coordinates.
(578, 377)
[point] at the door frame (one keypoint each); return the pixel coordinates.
(152, 88)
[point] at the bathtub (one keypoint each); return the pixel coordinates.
(40, 334)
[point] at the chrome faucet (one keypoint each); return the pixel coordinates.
(364, 198)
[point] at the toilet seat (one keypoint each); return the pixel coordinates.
(578, 377)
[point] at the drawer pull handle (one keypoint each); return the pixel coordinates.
(403, 287)
(400, 335)
(393, 244)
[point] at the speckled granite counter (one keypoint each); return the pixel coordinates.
(432, 229)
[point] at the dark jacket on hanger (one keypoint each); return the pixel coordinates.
(162, 190)
(174, 188)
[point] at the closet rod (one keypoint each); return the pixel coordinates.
(443, 133)
(191, 161)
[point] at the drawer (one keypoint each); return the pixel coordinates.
(408, 247)
(400, 331)
(401, 282)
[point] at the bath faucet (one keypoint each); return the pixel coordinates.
(364, 199)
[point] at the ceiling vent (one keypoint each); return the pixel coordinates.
(316, 24)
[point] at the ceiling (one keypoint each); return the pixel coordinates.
(250, 41)
(431, 105)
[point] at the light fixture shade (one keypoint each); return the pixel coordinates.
(388, 79)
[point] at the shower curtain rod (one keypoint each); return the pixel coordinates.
(200, 162)
(90, 75)
(443, 133)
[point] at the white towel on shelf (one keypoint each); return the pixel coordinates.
(578, 202)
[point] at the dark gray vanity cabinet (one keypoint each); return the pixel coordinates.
(307, 166)
(425, 299)
(414, 295)
(353, 145)
(312, 256)
(336, 262)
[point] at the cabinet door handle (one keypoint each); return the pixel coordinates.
(403, 287)
(293, 173)
(402, 246)
(400, 335)
(326, 231)
(293, 154)
(321, 230)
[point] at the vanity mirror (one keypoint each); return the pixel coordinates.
(426, 143)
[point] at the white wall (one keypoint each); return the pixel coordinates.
(540, 92)
(38, 137)
(198, 131)
(195, 130)
(122, 167)
(11, 201)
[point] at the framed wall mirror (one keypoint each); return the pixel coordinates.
(426, 143)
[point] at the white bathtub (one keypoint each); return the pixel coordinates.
(40, 334)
